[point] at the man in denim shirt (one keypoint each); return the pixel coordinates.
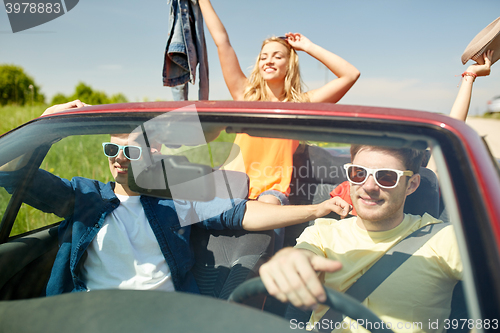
(107, 238)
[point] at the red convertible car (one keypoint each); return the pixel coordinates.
(194, 140)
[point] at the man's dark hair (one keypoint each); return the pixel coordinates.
(411, 158)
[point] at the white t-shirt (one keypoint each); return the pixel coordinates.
(125, 254)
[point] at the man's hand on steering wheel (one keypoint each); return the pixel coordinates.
(291, 276)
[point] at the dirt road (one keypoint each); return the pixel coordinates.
(489, 128)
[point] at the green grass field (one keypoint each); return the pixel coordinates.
(13, 116)
(80, 156)
(495, 115)
(85, 160)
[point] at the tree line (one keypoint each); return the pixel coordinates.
(19, 88)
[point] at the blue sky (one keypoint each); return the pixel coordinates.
(408, 51)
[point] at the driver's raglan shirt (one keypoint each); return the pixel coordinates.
(417, 294)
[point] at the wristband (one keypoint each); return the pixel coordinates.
(474, 75)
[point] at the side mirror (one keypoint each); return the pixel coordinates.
(172, 177)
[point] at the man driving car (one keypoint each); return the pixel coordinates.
(418, 292)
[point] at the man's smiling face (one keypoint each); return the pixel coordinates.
(379, 207)
(119, 164)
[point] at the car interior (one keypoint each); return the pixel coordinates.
(223, 259)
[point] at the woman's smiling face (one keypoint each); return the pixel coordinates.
(273, 61)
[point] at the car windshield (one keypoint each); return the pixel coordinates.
(70, 149)
(192, 157)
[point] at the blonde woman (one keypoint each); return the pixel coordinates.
(276, 77)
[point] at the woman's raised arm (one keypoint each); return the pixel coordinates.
(460, 107)
(231, 70)
(346, 73)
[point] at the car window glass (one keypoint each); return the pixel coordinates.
(75, 156)
(82, 156)
(4, 200)
(78, 156)
(214, 153)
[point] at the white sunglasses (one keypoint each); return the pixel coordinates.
(385, 178)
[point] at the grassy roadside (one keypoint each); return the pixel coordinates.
(67, 153)
(495, 115)
(12, 116)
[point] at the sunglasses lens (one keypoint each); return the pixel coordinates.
(384, 178)
(132, 152)
(387, 178)
(110, 149)
(356, 174)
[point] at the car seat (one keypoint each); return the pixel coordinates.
(27, 263)
(226, 258)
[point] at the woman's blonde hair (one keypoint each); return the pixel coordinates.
(256, 86)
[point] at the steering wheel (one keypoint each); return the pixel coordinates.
(339, 302)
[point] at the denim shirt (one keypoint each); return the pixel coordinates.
(84, 205)
(182, 53)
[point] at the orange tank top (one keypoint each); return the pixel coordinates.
(268, 163)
